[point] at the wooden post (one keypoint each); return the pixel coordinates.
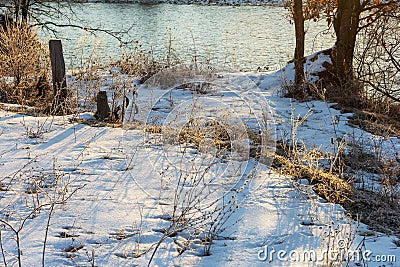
(58, 76)
(103, 109)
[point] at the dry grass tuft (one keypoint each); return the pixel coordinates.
(155, 129)
(139, 63)
(197, 133)
(96, 123)
(327, 185)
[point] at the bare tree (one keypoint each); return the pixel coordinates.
(348, 18)
(48, 14)
(295, 8)
(300, 36)
(377, 57)
(346, 24)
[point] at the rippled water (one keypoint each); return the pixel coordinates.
(248, 36)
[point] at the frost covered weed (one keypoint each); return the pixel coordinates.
(136, 248)
(369, 157)
(195, 217)
(120, 91)
(137, 229)
(39, 192)
(139, 62)
(390, 180)
(85, 87)
(38, 129)
(88, 56)
(90, 72)
(199, 202)
(376, 186)
(337, 244)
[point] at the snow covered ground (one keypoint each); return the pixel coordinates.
(111, 191)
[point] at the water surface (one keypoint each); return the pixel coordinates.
(247, 36)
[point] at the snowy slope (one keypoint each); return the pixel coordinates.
(124, 177)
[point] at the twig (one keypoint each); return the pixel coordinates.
(2, 250)
(91, 30)
(46, 233)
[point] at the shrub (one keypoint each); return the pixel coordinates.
(23, 66)
(139, 63)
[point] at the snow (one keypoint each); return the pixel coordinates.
(125, 178)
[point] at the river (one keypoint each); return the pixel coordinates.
(245, 36)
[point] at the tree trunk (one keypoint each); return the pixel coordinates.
(25, 12)
(17, 5)
(346, 24)
(300, 35)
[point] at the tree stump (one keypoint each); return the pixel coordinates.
(103, 109)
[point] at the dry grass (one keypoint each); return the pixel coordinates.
(139, 63)
(24, 60)
(374, 209)
(153, 129)
(294, 158)
(378, 122)
(379, 209)
(96, 123)
(342, 179)
(327, 185)
(197, 133)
